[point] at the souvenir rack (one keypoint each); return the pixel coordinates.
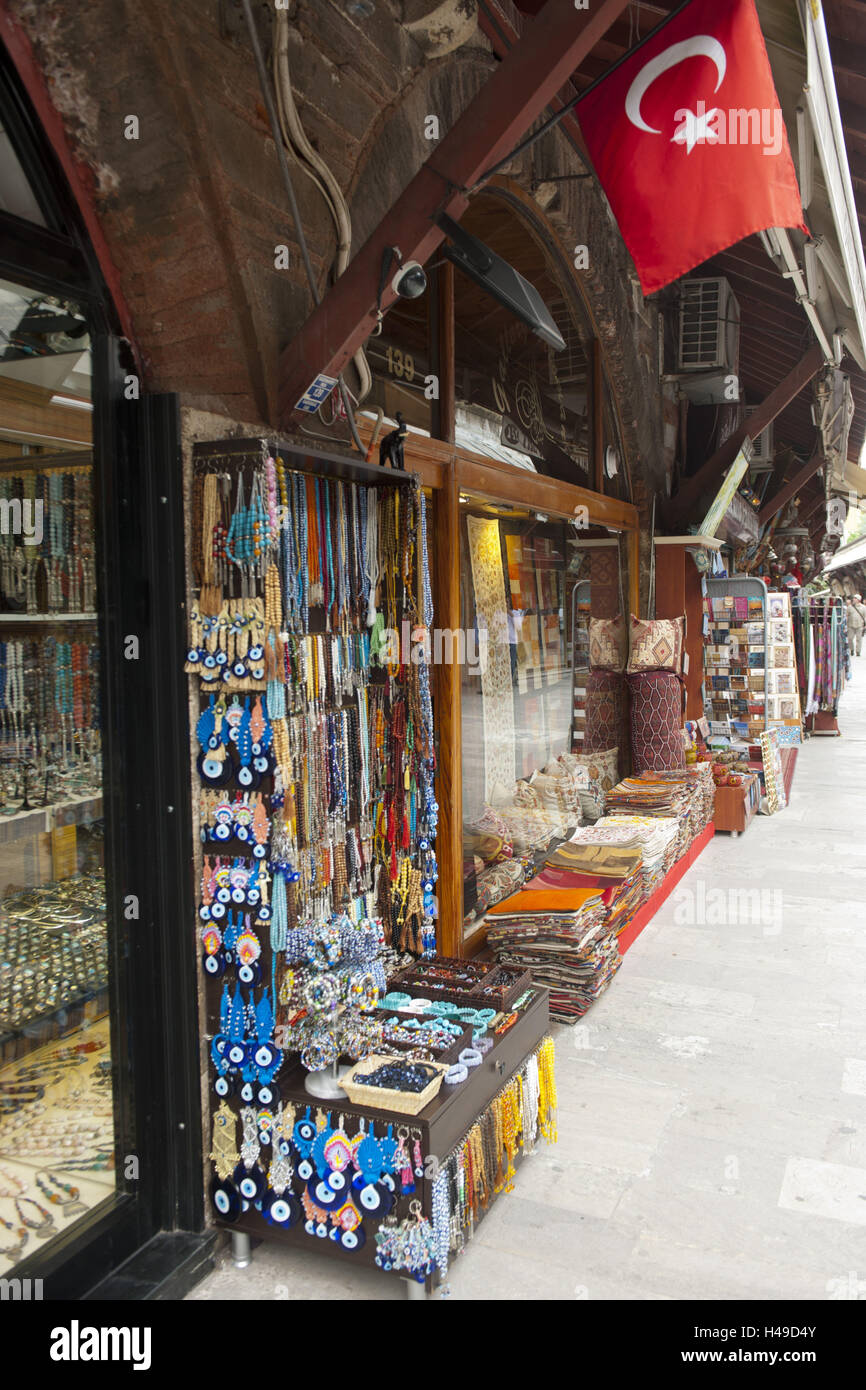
(235, 572)
(439, 1128)
(756, 591)
(818, 621)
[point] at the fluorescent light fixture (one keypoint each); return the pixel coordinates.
(810, 257)
(771, 242)
(805, 155)
(72, 401)
(500, 280)
(831, 264)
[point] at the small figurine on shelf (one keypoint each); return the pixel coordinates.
(391, 448)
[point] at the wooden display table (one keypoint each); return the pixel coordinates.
(736, 807)
(442, 1125)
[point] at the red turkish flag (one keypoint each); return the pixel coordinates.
(688, 141)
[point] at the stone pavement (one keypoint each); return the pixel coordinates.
(712, 1123)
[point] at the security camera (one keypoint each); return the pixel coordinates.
(410, 280)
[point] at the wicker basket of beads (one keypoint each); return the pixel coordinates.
(381, 1098)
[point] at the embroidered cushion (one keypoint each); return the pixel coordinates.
(656, 644)
(524, 794)
(594, 774)
(566, 791)
(496, 882)
(557, 798)
(606, 711)
(656, 722)
(489, 827)
(608, 644)
(529, 829)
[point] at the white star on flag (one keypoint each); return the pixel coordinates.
(696, 128)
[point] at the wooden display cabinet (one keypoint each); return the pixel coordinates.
(736, 806)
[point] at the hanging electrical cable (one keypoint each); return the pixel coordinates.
(312, 164)
(270, 107)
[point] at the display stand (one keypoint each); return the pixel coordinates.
(818, 631)
(783, 690)
(441, 1125)
(734, 681)
(318, 825)
(736, 807)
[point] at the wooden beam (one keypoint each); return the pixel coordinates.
(499, 482)
(711, 473)
(810, 509)
(447, 354)
(789, 490)
(597, 417)
(508, 104)
(448, 705)
(498, 28)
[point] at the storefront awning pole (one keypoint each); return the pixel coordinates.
(515, 95)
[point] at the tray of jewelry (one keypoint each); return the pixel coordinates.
(451, 981)
(390, 1083)
(470, 983)
(503, 986)
(443, 1039)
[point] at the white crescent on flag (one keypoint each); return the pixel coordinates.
(701, 46)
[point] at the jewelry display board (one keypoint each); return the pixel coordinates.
(313, 734)
(50, 746)
(56, 1116)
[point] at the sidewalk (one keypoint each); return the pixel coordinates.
(712, 1126)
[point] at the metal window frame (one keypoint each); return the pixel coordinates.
(138, 509)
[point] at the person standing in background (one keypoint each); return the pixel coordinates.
(856, 623)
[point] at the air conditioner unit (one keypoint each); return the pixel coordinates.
(762, 451)
(709, 327)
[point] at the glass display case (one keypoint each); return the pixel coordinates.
(525, 619)
(56, 1105)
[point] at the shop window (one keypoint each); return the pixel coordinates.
(510, 385)
(520, 617)
(56, 1108)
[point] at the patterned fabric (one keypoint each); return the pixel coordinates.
(656, 722)
(496, 689)
(560, 782)
(523, 794)
(490, 823)
(522, 591)
(656, 645)
(558, 797)
(604, 581)
(774, 781)
(495, 883)
(608, 644)
(594, 774)
(528, 829)
(606, 712)
(486, 849)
